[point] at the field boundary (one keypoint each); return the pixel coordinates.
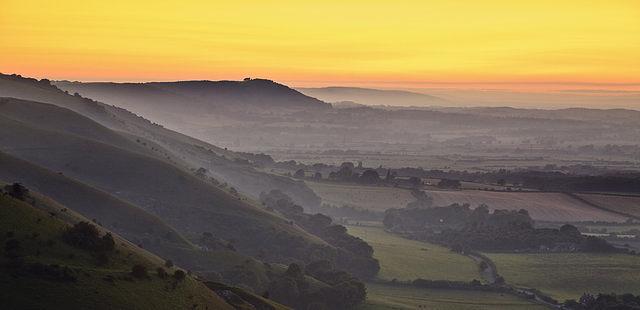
(597, 206)
(524, 293)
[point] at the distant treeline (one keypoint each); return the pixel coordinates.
(575, 178)
(464, 229)
(353, 254)
(604, 302)
(627, 182)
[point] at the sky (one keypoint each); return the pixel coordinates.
(402, 44)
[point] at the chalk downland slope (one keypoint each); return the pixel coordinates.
(184, 152)
(40, 270)
(184, 201)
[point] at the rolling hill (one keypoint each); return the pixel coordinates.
(371, 96)
(196, 96)
(184, 201)
(42, 269)
(185, 152)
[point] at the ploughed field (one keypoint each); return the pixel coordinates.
(542, 206)
(381, 296)
(619, 203)
(568, 275)
(375, 198)
(404, 259)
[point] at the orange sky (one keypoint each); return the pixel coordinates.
(407, 44)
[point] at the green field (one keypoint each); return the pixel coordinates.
(405, 259)
(569, 275)
(380, 296)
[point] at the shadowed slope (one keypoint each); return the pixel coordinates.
(185, 152)
(182, 200)
(42, 270)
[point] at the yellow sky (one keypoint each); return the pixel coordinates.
(376, 43)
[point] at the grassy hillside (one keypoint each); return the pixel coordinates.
(185, 152)
(41, 270)
(40, 115)
(569, 275)
(119, 216)
(405, 259)
(184, 201)
(386, 297)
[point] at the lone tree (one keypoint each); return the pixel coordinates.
(17, 191)
(86, 236)
(299, 174)
(179, 275)
(139, 271)
(370, 177)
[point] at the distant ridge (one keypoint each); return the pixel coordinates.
(197, 95)
(370, 96)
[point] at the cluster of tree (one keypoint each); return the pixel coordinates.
(341, 290)
(348, 173)
(463, 229)
(449, 183)
(353, 253)
(17, 191)
(86, 236)
(550, 178)
(422, 200)
(604, 302)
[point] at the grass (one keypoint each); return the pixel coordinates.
(40, 237)
(569, 275)
(405, 259)
(380, 296)
(376, 198)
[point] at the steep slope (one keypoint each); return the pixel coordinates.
(42, 269)
(121, 217)
(370, 96)
(184, 201)
(185, 152)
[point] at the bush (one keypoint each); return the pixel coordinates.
(11, 248)
(86, 236)
(139, 271)
(161, 272)
(168, 263)
(17, 191)
(179, 275)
